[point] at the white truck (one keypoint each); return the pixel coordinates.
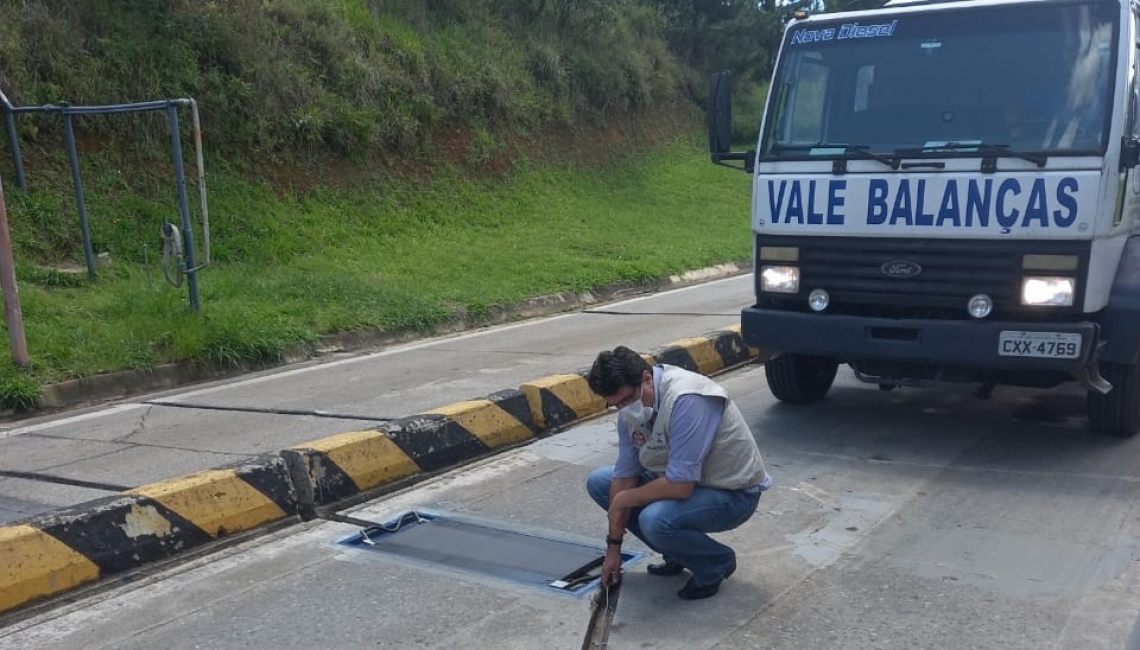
(948, 191)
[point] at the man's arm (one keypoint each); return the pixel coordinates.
(626, 497)
(655, 490)
(619, 516)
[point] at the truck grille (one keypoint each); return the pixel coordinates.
(952, 271)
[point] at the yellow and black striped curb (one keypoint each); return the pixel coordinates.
(559, 400)
(62, 550)
(707, 354)
(332, 469)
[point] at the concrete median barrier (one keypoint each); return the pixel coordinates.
(504, 418)
(68, 548)
(332, 469)
(707, 354)
(225, 501)
(559, 400)
(34, 565)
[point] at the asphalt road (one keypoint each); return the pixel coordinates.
(912, 519)
(72, 458)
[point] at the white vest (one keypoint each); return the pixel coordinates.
(733, 461)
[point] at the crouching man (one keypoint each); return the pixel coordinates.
(687, 465)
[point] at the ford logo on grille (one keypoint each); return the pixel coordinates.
(900, 268)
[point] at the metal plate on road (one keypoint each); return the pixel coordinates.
(490, 549)
(1049, 345)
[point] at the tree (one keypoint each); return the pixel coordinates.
(735, 35)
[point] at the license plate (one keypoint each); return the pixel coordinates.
(1052, 345)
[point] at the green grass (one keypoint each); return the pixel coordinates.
(286, 77)
(290, 267)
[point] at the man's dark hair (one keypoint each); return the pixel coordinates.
(613, 370)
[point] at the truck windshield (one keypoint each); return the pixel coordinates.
(1027, 78)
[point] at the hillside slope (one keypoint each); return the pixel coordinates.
(392, 166)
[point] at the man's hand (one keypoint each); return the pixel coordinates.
(611, 566)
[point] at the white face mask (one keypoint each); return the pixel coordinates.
(636, 413)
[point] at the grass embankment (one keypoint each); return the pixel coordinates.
(391, 165)
(358, 78)
(412, 256)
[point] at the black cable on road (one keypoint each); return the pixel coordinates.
(268, 411)
(613, 312)
(48, 478)
(345, 519)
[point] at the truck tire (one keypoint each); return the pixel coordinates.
(1117, 413)
(799, 378)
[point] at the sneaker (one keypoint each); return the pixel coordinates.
(693, 591)
(666, 568)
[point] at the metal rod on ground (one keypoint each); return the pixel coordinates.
(73, 157)
(12, 314)
(605, 605)
(187, 230)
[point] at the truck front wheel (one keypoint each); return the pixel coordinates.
(1117, 412)
(799, 378)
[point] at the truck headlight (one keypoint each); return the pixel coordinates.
(780, 279)
(1044, 290)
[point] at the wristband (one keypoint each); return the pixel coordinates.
(611, 541)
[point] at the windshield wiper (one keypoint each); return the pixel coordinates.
(843, 152)
(994, 150)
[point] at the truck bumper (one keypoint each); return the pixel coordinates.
(968, 344)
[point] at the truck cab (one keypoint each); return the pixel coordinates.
(946, 191)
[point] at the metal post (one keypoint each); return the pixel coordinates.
(17, 160)
(12, 314)
(14, 142)
(73, 156)
(187, 231)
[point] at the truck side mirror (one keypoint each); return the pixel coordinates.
(720, 124)
(1129, 153)
(720, 114)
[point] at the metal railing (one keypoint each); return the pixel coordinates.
(67, 112)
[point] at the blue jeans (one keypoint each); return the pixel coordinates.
(677, 529)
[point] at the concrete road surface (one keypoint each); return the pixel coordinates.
(914, 519)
